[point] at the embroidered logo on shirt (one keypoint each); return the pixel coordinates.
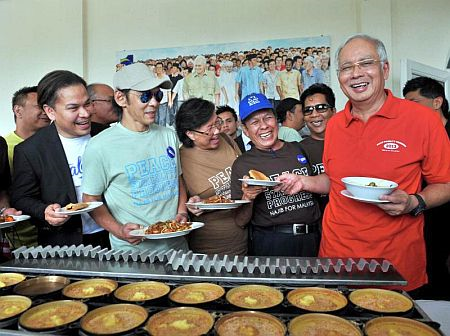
(391, 146)
(302, 159)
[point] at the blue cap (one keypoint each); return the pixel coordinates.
(252, 103)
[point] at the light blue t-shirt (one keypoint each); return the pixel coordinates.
(137, 172)
(250, 80)
(288, 134)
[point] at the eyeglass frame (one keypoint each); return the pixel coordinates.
(148, 95)
(308, 110)
(103, 100)
(217, 125)
(362, 64)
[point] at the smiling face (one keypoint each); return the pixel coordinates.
(317, 122)
(137, 116)
(362, 85)
(71, 112)
(207, 135)
(29, 115)
(262, 128)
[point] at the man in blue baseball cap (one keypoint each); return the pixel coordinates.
(280, 225)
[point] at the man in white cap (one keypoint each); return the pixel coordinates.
(311, 75)
(202, 83)
(135, 166)
(227, 81)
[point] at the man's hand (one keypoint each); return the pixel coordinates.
(400, 203)
(53, 217)
(11, 212)
(249, 193)
(124, 233)
(192, 208)
(290, 183)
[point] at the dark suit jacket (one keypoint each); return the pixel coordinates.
(41, 177)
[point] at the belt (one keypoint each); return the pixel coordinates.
(294, 229)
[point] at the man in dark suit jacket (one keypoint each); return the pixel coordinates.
(48, 165)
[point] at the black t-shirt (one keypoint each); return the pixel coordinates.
(5, 175)
(314, 150)
(175, 79)
(270, 207)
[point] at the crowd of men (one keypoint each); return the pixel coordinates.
(75, 142)
(225, 78)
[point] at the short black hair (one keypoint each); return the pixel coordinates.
(226, 108)
(251, 56)
(20, 95)
(429, 88)
(319, 88)
(49, 86)
(192, 114)
(284, 107)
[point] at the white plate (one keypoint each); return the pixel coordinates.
(263, 183)
(219, 206)
(17, 219)
(141, 232)
(92, 206)
(365, 200)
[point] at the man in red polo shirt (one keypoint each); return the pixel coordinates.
(379, 135)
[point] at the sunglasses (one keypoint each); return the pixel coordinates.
(146, 96)
(320, 108)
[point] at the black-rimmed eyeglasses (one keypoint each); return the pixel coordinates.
(320, 108)
(217, 125)
(146, 96)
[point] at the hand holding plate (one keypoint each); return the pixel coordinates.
(290, 183)
(124, 233)
(192, 208)
(53, 217)
(400, 203)
(249, 192)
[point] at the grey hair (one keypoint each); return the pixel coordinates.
(381, 49)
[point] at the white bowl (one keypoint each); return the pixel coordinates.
(360, 187)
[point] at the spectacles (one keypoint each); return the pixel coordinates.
(363, 65)
(146, 96)
(217, 125)
(103, 100)
(320, 108)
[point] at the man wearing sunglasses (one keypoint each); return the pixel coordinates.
(135, 165)
(379, 135)
(318, 107)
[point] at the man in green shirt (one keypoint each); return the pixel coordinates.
(29, 118)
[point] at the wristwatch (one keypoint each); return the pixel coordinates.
(419, 208)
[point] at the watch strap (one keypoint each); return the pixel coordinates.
(420, 207)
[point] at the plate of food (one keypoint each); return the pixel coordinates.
(167, 229)
(10, 220)
(258, 178)
(79, 208)
(218, 203)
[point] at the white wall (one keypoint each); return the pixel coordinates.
(84, 35)
(37, 36)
